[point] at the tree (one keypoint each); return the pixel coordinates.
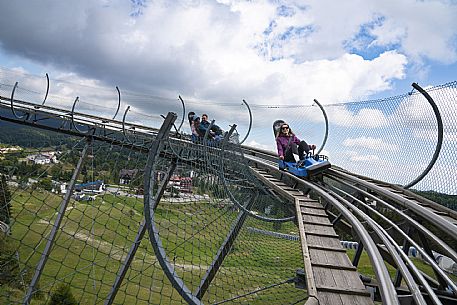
(56, 171)
(5, 201)
(62, 295)
(9, 270)
(45, 184)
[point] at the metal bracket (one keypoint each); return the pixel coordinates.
(326, 126)
(12, 105)
(250, 123)
(73, 120)
(300, 279)
(440, 136)
(118, 101)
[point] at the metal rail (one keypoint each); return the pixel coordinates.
(449, 251)
(401, 196)
(325, 261)
(446, 226)
(57, 113)
(429, 259)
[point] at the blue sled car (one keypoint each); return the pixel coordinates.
(310, 166)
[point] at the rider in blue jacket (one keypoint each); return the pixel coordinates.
(215, 131)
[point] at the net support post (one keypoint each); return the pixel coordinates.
(52, 235)
(139, 236)
(224, 249)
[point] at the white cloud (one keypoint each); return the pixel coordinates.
(255, 144)
(357, 157)
(370, 143)
(416, 112)
(267, 52)
(365, 117)
(409, 24)
(205, 49)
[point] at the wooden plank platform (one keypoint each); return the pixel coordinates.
(336, 279)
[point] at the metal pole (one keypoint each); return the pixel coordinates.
(428, 250)
(139, 236)
(47, 89)
(118, 102)
(406, 246)
(183, 112)
(358, 254)
(12, 105)
(205, 138)
(224, 249)
(123, 125)
(56, 226)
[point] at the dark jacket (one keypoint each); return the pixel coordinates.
(215, 130)
(203, 127)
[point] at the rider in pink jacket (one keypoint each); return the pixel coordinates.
(288, 144)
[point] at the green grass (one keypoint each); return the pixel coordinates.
(96, 236)
(364, 266)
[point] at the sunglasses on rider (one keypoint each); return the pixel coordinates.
(285, 127)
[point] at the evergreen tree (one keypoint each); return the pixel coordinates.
(5, 201)
(9, 265)
(63, 296)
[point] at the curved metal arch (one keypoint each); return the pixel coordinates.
(149, 210)
(12, 104)
(232, 198)
(47, 90)
(73, 119)
(123, 125)
(183, 113)
(250, 122)
(118, 102)
(168, 268)
(326, 126)
(440, 136)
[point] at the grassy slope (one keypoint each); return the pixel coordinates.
(96, 237)
(102, 232)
